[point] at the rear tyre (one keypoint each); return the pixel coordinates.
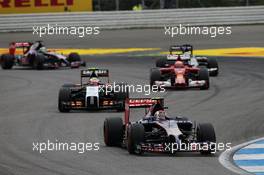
(64, 97)
(155, 75)
(212, 63)
(7, 61)
(204, 75)
(161, 62)
(135, 137)
(206, 133)
(68, 85)
(74, 57)
(38, 62)
(113, 131)
(122, 95)
(83, 64)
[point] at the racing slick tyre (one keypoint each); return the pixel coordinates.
(155, 75)
(206, 134)
(7, 61)
(212, 63)
(135, 136)
(122, 95)
(204, 75)
(68, 85)
(83, 63)
(74, 57)
(161, 62)
(38, 62)
(113, 131)
(64, 96)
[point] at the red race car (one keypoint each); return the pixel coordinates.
(179, 76)
(36, 56)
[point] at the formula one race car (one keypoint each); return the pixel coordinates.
(36, 56)
(93, 94)
(185, 53)
(157, 132)
(179, 76)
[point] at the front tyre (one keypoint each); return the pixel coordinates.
(74, 57)
(212, 64)
(38, 62)
(64, 97)
(69, 85)
(155, 75)
(206, 134)
(204, 75)
(121, 96)
(136, 134)
(161, 62)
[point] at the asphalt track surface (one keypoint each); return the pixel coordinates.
(28, 105)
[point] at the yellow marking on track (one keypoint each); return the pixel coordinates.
(244, 52)
(96, 51)
(241, 52)
(3, 50)
(102, 51)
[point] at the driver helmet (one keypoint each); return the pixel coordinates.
(179, 64)
(94, 81)
(187, 54)
(160, 115)
(42, 49)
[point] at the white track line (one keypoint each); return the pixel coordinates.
(255, 146)
(255, 169)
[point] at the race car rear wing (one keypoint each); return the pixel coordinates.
(14, 45)
(21, 44)
(182, 48)
(95, 72)
(140, 103)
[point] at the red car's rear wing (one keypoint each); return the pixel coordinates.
(182, 48)
(22, 44)
(140, 103)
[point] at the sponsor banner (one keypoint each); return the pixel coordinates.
(43, 6)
